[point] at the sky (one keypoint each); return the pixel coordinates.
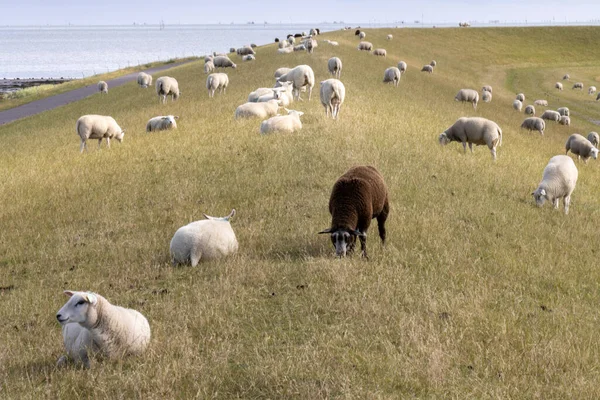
(126, 12)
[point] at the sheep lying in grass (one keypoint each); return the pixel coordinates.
(357, 197)
(581, 147)
(332, 94)
(285, 50)
(144, 80)
(534, 124)
(592, 90)
(402, 67)
(90, 324)
(427, 68)
(301, 76)
(380, 52)
(558, 181)
(543, 103)
(365, 46)
(521, 97)
(300, 47)
(283, 123)
(223, 62)
(261, 110)
(334, 65)
(467, 96)
(249, 57)
(594, 138)
(518, 105)
(564, 120)
(564, 111)
(530, 110)
(486, 88)
(389, 37)
(244, 51)
(98, 127)
(167, 86)
(486, 96)
(331, 42)
(578, 85)
(474, 131)
(162, 123)
(207, 239)
(551, 115)
(558, 86)
(103, 87)
(393, 75)
(217, 81)
(209, 67)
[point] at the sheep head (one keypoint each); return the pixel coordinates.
(80, 308)
(540, 196)
(444, 139)
(343, 239)
(594, 153)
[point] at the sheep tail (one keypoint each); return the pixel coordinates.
(499, 137)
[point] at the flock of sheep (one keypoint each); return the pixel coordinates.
(91, 324)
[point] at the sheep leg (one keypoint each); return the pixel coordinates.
(493, 151)
(567, 201)
(470, 147)
(99, 142)
(62, 361)
(381, 218)
(309, 92)
(82, 146)
(195, 256)
(108, 142)
(363, 246)
(555, 202)
(326, 111)
(464, 146)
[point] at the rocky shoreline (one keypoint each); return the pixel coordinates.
(11, 85)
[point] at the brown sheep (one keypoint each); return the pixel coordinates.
(357, 197)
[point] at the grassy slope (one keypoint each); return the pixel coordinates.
(477, 294)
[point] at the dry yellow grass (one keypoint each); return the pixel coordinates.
(478, 294)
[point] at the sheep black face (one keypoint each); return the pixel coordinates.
(343, 240)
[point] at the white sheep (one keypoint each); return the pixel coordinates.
(551, 115)
(244, 51)
(301, 76)
(530, 110)
(300, 47)
(564, 111)
(261, 110)
(486, 96)
(162, 123)
(283, 123)
(581, 146)
(365, 46)
(207, 239)
(90, 324)
(427, 68)
(380, 52)
(103, 87)
(209, 67)
(534, 124)
(578, 85)
(390, 37)
(487, 88)
(558, 86)
(144, 79)
(393, 75)
(281, 71)
(216, 81)
(362, 35)
(592, 90)
(98, 127)
(311, 45)
(543, 103)
(521, 97)
(402, 67)
(594, 138)
(284, 94)
(285, 50)
(223, 62)
(518, 105)
(566, 77)
(248, 57)
(332, 94)
(564, 120)
(468, 96)
(334, 65)
(167, 86)
(433, 63)
(332, 42)
(559, 180)
(474, 131)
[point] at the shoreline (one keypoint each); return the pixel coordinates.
(13, 85)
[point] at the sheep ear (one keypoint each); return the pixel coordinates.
(123, 131)
(231, 214)
(176, 117)
(207, 216)
(328, 230)
(359, 234)
(69, 293)
(543, 192)
(533, 193)
(91, 298)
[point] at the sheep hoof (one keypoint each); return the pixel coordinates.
(62, 362)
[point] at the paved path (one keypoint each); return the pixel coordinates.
(49, 103)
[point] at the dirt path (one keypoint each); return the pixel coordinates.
(49, 103)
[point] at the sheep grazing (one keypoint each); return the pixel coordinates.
(427, 68)
(534, 124)
(578, 85)
(357, 197)
(543, 103)
(208, 58)
(564, 120)
(558, 86)
(392, 74)
(98, 127)
(517, 105)
(334, 65)
(486, 88)
(592, 90)
(223, 62)
(551, 115)
(566, 77)
(207, 239)
(521, 97)
(216, 81)
(559, 180)
(261, 110)
(530, 110)
(332, 94)
(390, 37)
(581, 147)
(144, 80)
(402, 67)
(281, 71)
(594, 138)
(468, 96)
(90, 324)
(283, 123)
(380, 52)
(433, 63)
(209, 67)
(244, 51)
(249, 57)
(301, 76)
(103, 87)
(486, 96)
(162, 123)
(474, 131)
(167, 86)
(365, 46)
(564, 111)
(362, 35)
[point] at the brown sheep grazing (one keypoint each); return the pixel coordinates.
(357, 197)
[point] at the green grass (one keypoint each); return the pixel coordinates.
(478, 293)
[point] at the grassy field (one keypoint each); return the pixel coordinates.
(477, 294)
